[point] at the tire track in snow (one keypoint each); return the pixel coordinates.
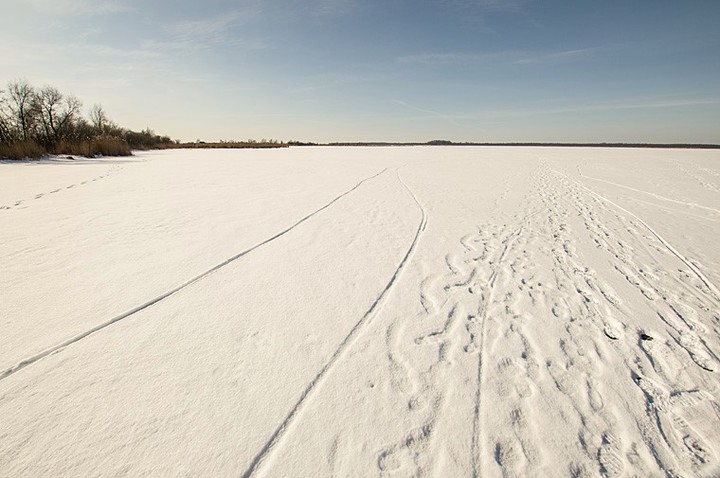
(281, 431)
(711, 287)
(31, 360)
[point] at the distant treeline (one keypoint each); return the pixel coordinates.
(222, 144)
(439, 142)
(35, 122)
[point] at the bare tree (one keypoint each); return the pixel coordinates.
(22, 104)
(49, 101)
(57, 112)
(34, 122)
(6, 130)
(98, 118)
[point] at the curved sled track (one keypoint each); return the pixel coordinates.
(31, 360)
(282, 430)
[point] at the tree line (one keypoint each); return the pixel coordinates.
(35, 122)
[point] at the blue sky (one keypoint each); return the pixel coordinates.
(392, 70)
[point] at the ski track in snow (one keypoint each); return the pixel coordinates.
(684, 259)
(286, 425)
(54, 349)
(657, 196)
(674, 211)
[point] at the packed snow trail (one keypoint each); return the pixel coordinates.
(526, 391)
(480, 349)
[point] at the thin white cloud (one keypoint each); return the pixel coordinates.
(558, 56)
(501, 116)
(501, 5)
(431, 59)
(618, 105)
(328, 80)
(323, 8)
(175, 46)
(43, 53)
(207, 29)
(452, 118)
(78, 7)
(417, 108)
(280, 115)
(193, 35)
(609, 105)
(509, 57)
(484, 5)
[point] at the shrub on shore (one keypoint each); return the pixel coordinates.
(98, 146)
(22, 150)
(36, 122)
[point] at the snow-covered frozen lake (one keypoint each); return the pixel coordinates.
(414, 311)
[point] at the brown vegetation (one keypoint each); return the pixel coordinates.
(37, 122)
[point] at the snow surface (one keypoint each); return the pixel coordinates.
(439, 311)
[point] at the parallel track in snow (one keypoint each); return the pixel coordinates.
(56, 348)
(703, 278)
(285, 426)
(691, 205)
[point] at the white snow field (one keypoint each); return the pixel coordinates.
(408, 311)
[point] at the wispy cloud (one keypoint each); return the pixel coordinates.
(427, 113)
(280, 115)
(323, 8)
(79, 7)
(504, 5)
(501, 57)
(329, 80)
(479, 13)
(52, 53)
(476, 14)
(626, 104)
(489, 116)
(198, 34)
(431, 59)
(175, 46)
(213, 29)
(417, 108)
(621, 105)
(485, 5)
(206, 29)
(558, 56)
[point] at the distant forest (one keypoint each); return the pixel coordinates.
(442, 142)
